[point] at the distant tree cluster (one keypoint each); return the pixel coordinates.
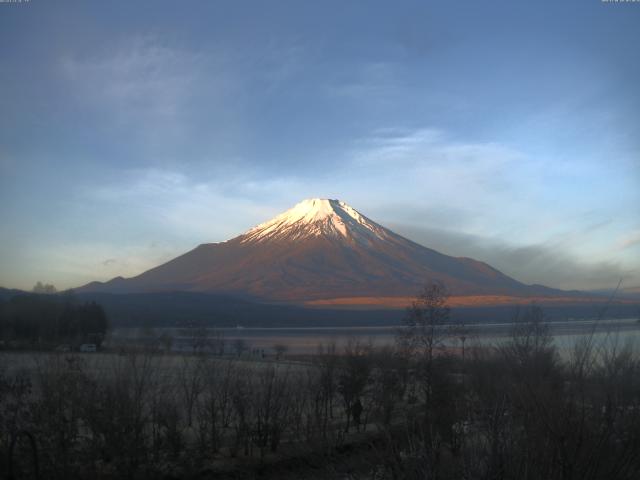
(50, 318)
(45, 288)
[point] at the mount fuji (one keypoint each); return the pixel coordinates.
(320, 251)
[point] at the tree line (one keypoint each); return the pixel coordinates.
(51, 319)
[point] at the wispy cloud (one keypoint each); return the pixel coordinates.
(200, 208)
(494, 202)
(631, 240)
(438, 172)
(373, 81)
(141, 78)
(553, 263)
(81, 263)
(431, 152)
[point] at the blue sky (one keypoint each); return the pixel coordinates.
(506, 131)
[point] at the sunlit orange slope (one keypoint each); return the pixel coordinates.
(324, 252)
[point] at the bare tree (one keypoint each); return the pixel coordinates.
(530, 344)
(166, 340)
(327, 364)
(201, 340)
(216, 406)
(280, 349)
(242, 414)
(117, 412)
(390, 378)
(217, 342)
(270, 408)
(423, 332)
(353, 379)
(240, 346)
(191, 381)
(61, 382)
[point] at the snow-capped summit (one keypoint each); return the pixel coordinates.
(319, 249)
(316, 217)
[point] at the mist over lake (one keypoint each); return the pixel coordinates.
(306, 340)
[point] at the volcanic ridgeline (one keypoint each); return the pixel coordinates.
(322, 252)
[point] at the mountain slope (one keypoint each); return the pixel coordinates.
(319, 249)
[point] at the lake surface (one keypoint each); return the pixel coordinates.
(306, 340)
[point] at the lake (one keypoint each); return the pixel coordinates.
(306, 340)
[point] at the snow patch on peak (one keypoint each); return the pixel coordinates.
(318, 217)
(311, 210)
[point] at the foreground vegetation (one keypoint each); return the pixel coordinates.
(419, 410)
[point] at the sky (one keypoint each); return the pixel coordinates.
(506, 131)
